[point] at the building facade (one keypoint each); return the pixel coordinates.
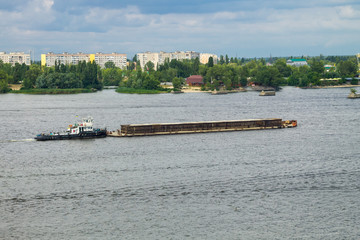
(204, 58)
(50, 58)
(117, 58)
(297, 62)
(158, 58)
(15, 57)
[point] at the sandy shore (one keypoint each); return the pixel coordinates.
(15, 86)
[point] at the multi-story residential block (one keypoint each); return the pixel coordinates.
(297, 62)
(204, 58)
(118, 59)
(15, 57)
(158, 58)
(146, 57)
(69, 58)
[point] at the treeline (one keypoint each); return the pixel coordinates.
(229, 73)
(81, 75)
(232, 72)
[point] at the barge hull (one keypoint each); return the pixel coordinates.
(196, 127)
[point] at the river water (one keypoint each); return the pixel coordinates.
(300, 183)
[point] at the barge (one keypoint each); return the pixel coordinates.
(131, 130)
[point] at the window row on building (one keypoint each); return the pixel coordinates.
(50, 58)
(15, 57)
(158, 58)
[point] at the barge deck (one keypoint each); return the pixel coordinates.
(131, 130)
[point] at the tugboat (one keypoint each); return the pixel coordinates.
(80, 130)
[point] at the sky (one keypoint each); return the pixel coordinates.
(243, 28)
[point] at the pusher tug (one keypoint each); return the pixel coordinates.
(82, 130)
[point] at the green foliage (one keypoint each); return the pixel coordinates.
(58, 80)
(141, 91)
(149, 66)
(18, 73)
(53, 91)
(243, 81)
(177, 83)
(317, 66)
(112, 76)
(347, 68)
(109, 64)
(354, 81)
(283, 69)
(268, 76)
(4, 88)
(31, 75)
(211, 62)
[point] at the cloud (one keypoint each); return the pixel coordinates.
(237, 26)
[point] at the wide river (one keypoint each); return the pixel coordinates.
(299, 183)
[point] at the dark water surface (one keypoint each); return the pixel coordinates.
(301, 183)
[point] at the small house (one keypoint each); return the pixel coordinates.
(195, 80)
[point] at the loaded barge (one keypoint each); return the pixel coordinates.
(131, 130)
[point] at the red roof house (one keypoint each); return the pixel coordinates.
(195, 80)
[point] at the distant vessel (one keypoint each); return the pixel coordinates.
(80, 130)
(353, 94)
(267, 93)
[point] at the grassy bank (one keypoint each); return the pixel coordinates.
(53, 91)
(140, 91)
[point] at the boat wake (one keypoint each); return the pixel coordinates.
(19, 140)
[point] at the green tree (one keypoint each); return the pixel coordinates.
(211, 62)
(150, 83)
(4, 88)
(268, 76)
(112, 76)
(109, 64)
(222, 61)
(149, 66)
(196, 64)
(347, 68)
(19, 71)
(284, 69)
(317, 66)
(177, 82)
(243, 81)
(31, 75)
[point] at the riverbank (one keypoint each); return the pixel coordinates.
(53, 91)
(141, 91)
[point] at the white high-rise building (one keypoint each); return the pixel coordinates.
(118, 59)
(204, 58)
(158, 58)
(15, 57)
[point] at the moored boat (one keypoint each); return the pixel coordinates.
(267, 93)
(80, 130)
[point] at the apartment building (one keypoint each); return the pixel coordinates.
(158, 58)
(117, 58)
(74, 58)
(15, 57)
(145, 57)
(204, 58)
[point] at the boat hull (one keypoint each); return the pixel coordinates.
(83, 135)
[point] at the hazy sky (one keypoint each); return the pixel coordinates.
(245, 28)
